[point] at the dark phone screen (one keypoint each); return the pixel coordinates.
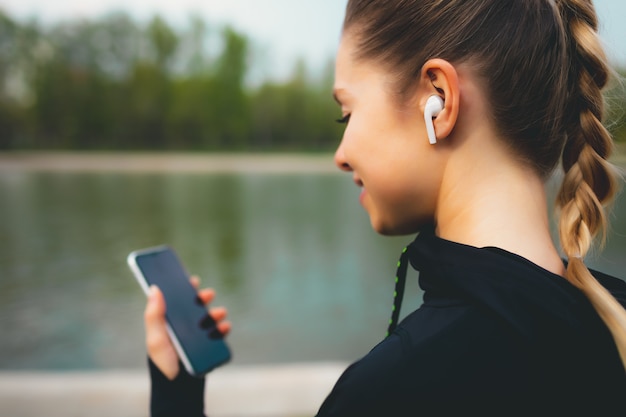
(186, 315)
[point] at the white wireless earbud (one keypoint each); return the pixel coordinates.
(434, 106)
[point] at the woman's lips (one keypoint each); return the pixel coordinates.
(359, 184)
(362, 195)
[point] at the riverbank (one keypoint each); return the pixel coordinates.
(293, 390)
(147, 162)
(184, 162)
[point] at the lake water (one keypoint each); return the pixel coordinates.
(292, 256)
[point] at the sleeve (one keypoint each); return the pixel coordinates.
(184, 396)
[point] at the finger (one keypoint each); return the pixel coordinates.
(195, 281)
(158, 344)
(218, 313)
(224, 327)
(207, 295)
(154, 314)
(157, 339)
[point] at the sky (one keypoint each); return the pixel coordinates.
(282, 29)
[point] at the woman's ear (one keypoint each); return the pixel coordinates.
(439, 77)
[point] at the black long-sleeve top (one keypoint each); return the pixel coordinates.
(496, 335)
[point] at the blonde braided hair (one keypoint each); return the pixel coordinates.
(589, 182)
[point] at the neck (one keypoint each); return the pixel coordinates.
(489, 199)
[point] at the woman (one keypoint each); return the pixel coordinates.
(456, 113)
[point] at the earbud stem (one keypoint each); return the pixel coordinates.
(434, 106)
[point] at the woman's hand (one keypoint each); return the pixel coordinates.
(160, 348)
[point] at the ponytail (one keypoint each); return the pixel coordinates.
(589, 182)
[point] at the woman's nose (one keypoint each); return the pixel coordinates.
(341, 161)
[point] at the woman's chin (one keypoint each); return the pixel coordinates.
(386, 228)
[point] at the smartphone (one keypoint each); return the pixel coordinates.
(200, 346)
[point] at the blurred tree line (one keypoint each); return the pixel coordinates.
(113, 83)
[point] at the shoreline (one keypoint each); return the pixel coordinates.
(166, 162)
(184, 162)
(285, 390)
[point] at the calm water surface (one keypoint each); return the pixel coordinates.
(292, 256)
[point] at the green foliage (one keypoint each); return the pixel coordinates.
(163, 41)
(616, 101)
(299, 109)
(113, 84)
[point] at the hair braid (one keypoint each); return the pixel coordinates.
(589, 182)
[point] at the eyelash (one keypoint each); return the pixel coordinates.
(344, 120)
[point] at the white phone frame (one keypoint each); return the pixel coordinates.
(132, 263)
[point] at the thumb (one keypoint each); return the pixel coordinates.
(158, 344)
(155, 308)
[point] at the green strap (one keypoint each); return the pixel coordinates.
(398, 293)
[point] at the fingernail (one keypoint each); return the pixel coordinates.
(152, 291)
